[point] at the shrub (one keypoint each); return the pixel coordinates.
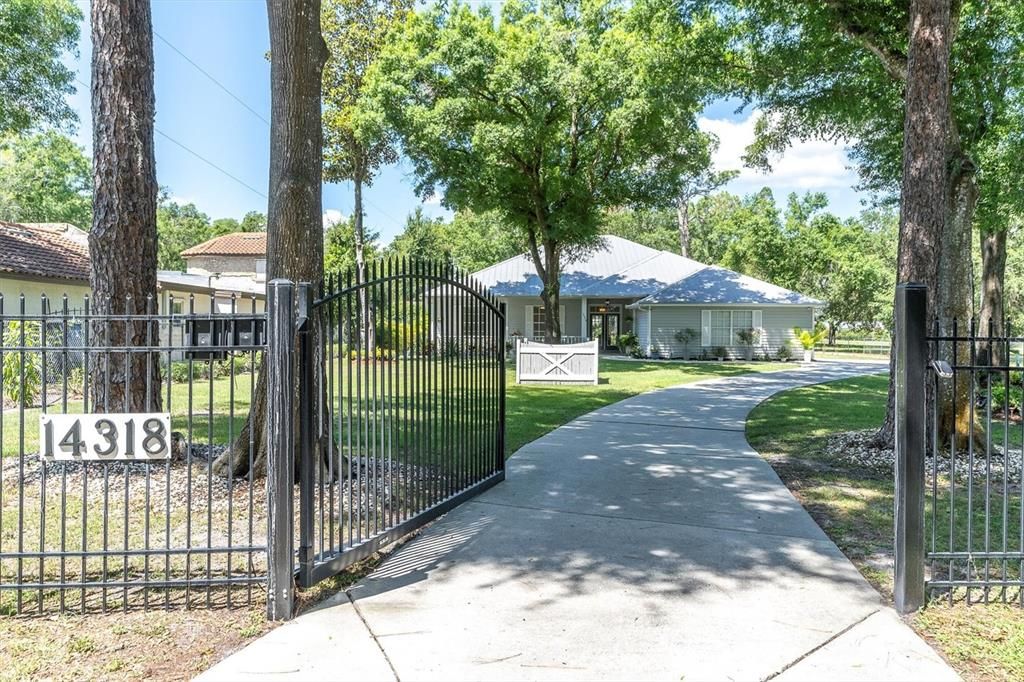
(22, 371)
(785, 351)
(1003, 400)
(720, 352)
(749, 337)
(628, 343)
(686, 337)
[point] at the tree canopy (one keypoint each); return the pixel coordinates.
(34, 36)
(546, 118)
(470, 241)
(45, 177)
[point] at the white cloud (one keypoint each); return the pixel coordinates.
(805, 166)
(332, 217)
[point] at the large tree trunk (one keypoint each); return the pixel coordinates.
(294, 216)
(683, 221)
(551, 294)
(547, 263)
(925, 183)
(122, 241)
(953, 297)
(993, 279)
(359, 240)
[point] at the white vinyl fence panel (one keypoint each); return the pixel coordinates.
(565, 363)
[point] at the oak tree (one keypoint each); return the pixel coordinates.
(546, 115)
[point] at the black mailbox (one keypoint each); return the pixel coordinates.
(246, 332)
(206, 339)
(213, 339)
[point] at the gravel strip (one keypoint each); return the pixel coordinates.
(855, 447)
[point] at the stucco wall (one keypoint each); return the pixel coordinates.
(225, 265)
(33, 291)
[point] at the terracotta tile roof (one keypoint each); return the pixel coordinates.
(234, 244)
(43, 250)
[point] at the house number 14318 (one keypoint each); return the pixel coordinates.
(105, 437)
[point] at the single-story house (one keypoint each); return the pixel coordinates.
(624, 286)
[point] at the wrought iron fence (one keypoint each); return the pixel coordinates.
(960, 459)
(119, 443)
(110, 525)
(402, 377)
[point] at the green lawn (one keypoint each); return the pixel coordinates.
(534, 410)
(854, 506)
(196, 402)
(531, 410)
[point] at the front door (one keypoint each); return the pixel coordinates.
(605, 328)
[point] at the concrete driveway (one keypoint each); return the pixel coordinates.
(645, 540)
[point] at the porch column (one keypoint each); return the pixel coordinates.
(584, 318)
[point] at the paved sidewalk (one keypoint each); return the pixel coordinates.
(645, 540)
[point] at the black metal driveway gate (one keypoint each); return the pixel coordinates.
(959, 473)
(402, 413)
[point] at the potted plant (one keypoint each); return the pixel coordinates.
(809, 340)
(629, 344)
(685, 337)
(720, 353)
(785, 352)
(748, 338)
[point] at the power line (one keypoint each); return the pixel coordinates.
(199, 156)
(212, 79)
(211, 163)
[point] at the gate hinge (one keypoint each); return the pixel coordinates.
(304, 308)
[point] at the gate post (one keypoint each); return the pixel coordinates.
(280, 435)
(307, 423)
(501, 387)
(911, 362)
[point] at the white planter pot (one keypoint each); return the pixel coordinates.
(748, 354)
(809, 355)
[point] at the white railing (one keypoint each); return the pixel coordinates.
(539, 338)
(565, 363)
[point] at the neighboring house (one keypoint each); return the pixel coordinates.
(624, 286)
(52, 259)
(239, 253)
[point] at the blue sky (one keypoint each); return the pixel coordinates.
(228, 39)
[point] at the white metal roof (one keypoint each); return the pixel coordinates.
(170, 279)
(714, 284)
(621, 268)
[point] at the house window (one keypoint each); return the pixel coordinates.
(177, 306)
(261, 269)
(721, 328)
(538, 322)
(724, 324)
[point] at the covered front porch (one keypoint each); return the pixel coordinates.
(581, 319)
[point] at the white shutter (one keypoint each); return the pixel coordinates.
(757, 325)
(705, 327)
(529, 322)
(561, 319)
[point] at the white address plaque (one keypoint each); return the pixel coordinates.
(139, 436)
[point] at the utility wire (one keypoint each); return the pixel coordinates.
(255, 113)
(211, 163)
(212, 79)
(196, 154)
